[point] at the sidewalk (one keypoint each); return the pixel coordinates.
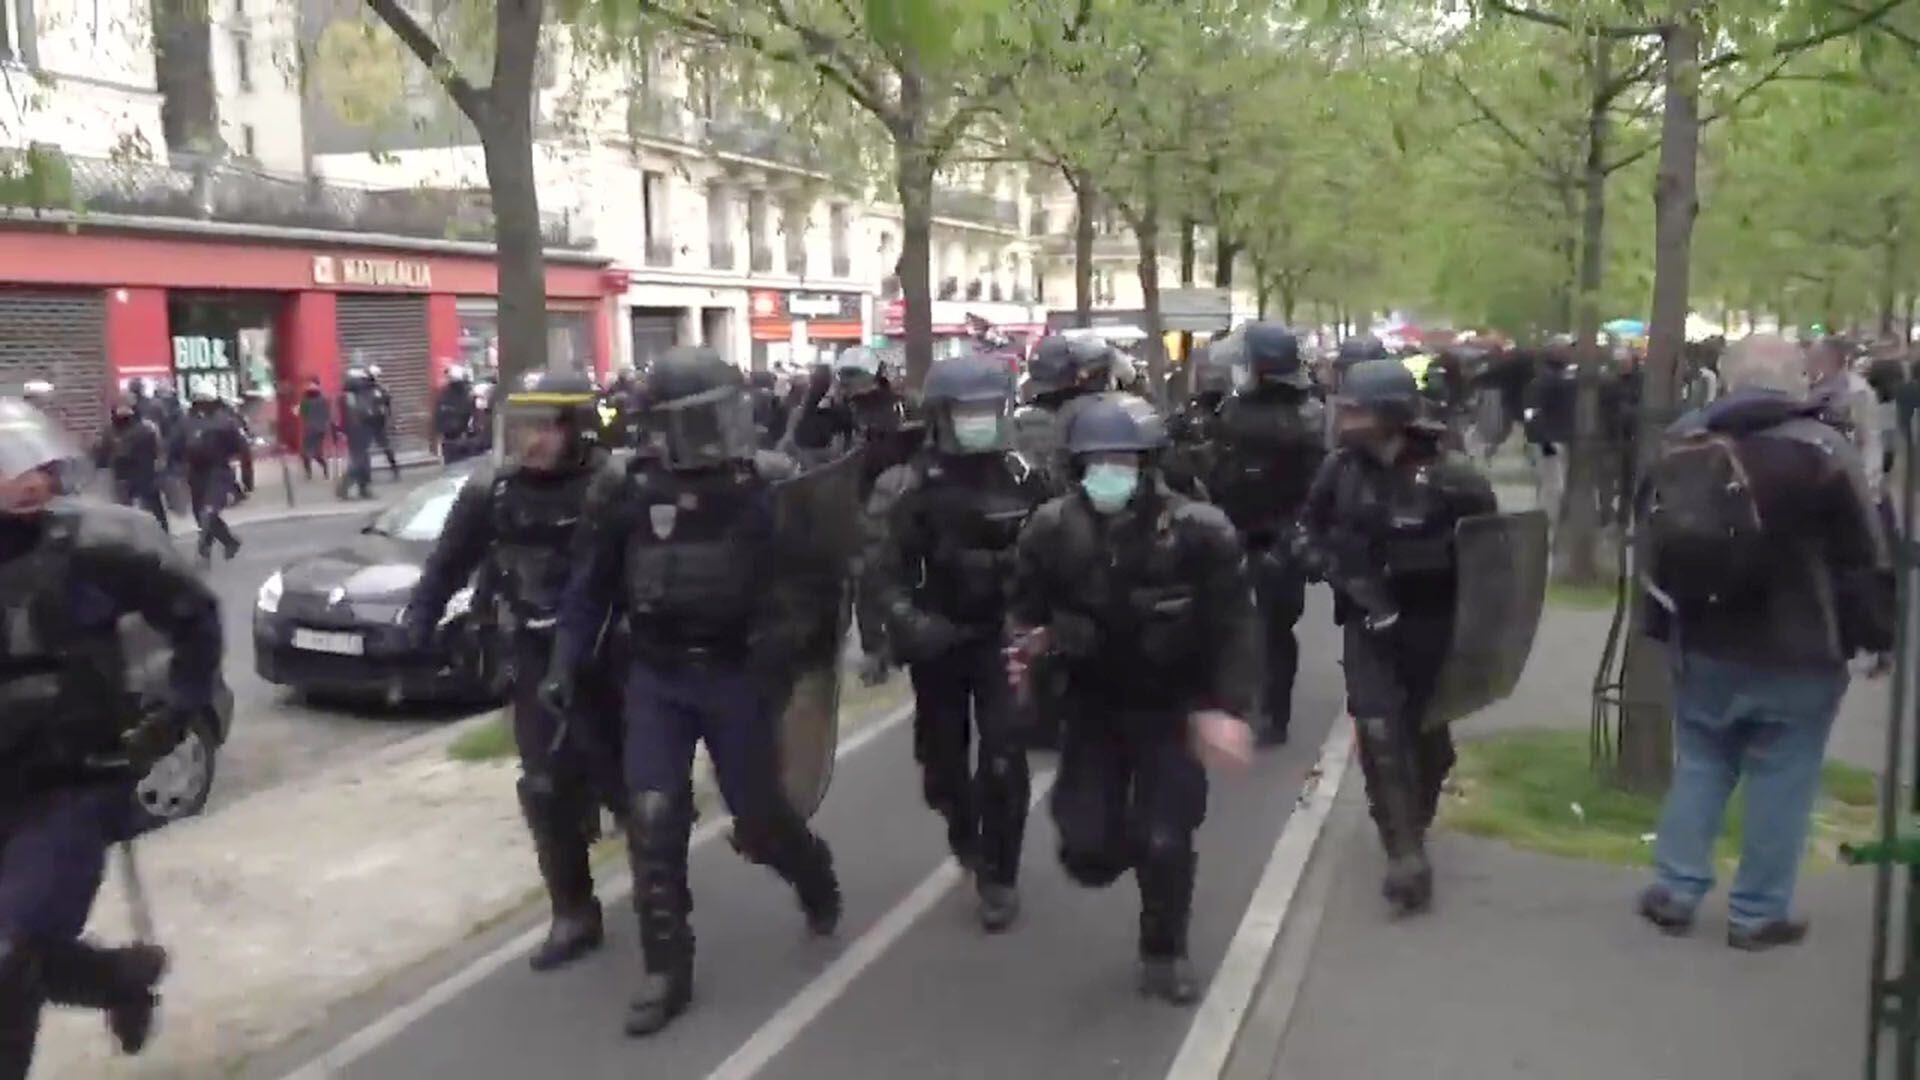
(1534, 966)
(283, 492)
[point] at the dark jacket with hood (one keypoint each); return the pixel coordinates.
(1830, 586)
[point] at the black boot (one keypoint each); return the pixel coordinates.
(119, 981)
(1166, 905)
(782, 842)
(999, 905)
(657, 832)
(21, 995)
(1004, 786)
(1409, 882)
(560, 848)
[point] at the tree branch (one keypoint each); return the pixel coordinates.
(850, 80)
(1558, 22)
(1617, 164)
(470, 99)
(1868, 17)
(1500, 124)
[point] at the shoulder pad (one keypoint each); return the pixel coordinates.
(772, 465)
(1199, 516)
(107, 525)
(897, 481)
(1049, 514)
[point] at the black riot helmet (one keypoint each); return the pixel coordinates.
(859, 371)
(37, 459)
(1213, 369)
(1062, 363)
(1114, 422)
(762, 380)
(552, 423)
(698, 415)
(1362, 347)
(969, 400)
(1273, 356)
(1384, 388)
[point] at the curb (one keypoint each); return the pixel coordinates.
(1222, 1017)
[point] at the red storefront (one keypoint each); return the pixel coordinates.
(246, 310)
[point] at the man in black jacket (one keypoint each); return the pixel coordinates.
(1761, 658)
(130, 449)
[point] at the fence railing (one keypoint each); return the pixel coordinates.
(975, 206)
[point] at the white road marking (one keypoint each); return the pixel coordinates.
(1209, 1042)
(392, 1024)
(786, 1025)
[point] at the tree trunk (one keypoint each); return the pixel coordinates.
(1224, 251)
(507, 144)
(1262, 293)
(1569, 244)
(1146, 229)
(1646, 726)
(1086, 201)
(1289, 297)
(1577, 540)
(1189, 257)
(913, 177)
(1889, 269)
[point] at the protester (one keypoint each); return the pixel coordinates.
(316, 422)
(1847, 402)
(1769, 573)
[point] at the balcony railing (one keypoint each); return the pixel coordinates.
(205, 189)
(659, 252)
(651, 114)
(720, 255)
(797, 261)
(949, 289)
(760, 260)
(762, 138)
(1105, 245)
(1021, 295)
(842, 266)
(975, 206)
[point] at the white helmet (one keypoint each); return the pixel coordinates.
(373, 371)
(458, 373)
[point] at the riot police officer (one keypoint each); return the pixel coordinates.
(131, 451)
(380, 403)
(769, 409)
(211, 440)
(1357, 349)
(71, 745)
(1061, 370)
(453, 416)
(936, 572)
(1145, 594)
(519, 519)
(1194, 428)
(1379, 523)
(1270, 445)
(685, 537)
(358, 421)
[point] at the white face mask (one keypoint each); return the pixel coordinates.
(977, 432)
(1109, 486)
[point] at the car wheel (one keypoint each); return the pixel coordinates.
(177, 785)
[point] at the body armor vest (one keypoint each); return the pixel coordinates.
(969, 517)
(63, 674)
(1133, 587)
(534, 520)
(692, 559)
(1268, 452)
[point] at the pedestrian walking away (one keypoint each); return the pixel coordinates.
(518, 521)
(69, 571)
(939, 558)
(316, 423)
(686, 540)
(1142, 593)
(1379, 525)
(1769, 572)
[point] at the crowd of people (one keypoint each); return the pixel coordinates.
(1054, 561)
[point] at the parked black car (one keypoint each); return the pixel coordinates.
(331, 623)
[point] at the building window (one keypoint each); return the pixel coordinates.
(653, 213)
(246, 141)
(719, 228)
(759, 251)
(795, 219)
(243, 61)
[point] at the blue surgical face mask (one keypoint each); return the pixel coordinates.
(1110, 487)
(980, 432)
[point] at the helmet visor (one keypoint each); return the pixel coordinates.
(704, 430)
(543, 431)
(31, 442)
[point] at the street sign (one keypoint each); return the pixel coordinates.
(1196, 309)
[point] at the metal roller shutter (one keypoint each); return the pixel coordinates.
(391, 331)
(60, 338)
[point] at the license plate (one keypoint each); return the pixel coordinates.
(322, 641)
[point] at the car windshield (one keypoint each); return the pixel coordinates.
(422, 513)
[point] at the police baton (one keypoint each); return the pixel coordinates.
(137, 906)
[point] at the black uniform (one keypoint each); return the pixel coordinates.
(316, 423)
(210, 442)
(380, 409)
(1061, 371)
(939, 562)
(1271, 441)
(1150, 609)
(1383, 535)
(453, 420)
(684, 541)
(72, 743)
(131, 451)
(358, 422)
(519, 522)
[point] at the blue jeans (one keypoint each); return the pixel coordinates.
(1768, 728)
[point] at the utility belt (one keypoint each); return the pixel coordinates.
(654, 646)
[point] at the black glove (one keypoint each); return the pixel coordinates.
(920, 636)
(874, 668)
(156, 736)
(557, 692)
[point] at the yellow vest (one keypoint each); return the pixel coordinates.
(1418, 365)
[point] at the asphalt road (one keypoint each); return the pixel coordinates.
(277, 735)
(910, 987)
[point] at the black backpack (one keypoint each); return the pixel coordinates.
(1707, 541)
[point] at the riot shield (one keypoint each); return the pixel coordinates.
(1501, 562)
(817, 535)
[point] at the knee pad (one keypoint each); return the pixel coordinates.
(1163, 847)
(1094, 869)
